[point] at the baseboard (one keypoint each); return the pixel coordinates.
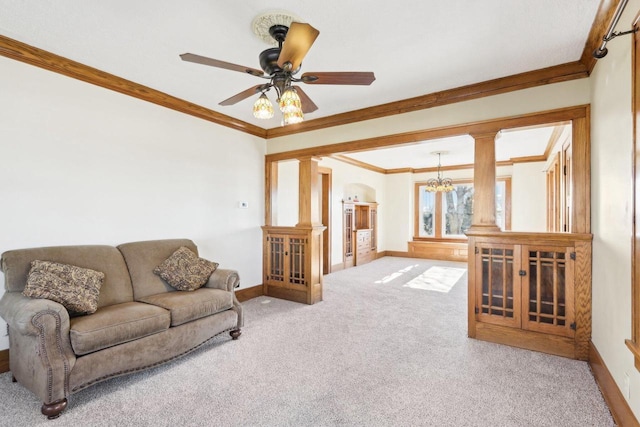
(4, 361)
(394, 253)
(337, 267)
(246, 294)
(620, 410)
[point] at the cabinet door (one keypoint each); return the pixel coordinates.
(347, 234)
(498, 286)
(286, 261)
(547, 291)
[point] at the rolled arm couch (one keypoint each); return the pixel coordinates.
(140, 322)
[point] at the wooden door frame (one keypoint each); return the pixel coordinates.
(326, 183)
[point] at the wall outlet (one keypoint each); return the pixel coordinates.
(243, 205)
(626, 387)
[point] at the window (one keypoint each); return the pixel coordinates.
(449, 215)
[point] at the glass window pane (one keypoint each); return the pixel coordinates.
(427, 212)
(457, 210)
(501, 190)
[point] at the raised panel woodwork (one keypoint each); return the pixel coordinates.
(293, 263)
(445, 251)
(531, 290)
(359, 232)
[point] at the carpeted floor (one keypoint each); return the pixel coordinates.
(374, 353)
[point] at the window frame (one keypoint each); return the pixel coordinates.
(438, 209)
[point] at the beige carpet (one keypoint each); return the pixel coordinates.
(374, 353)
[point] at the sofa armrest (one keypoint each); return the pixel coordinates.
(224, 279)
(20, 312)
(41, 356)
(227, 280)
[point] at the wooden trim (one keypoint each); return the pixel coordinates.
(522, 338)
(49, 61)
(4, 361)
(394, 253)
(600, 25)
(246, 294)
(446, 251)
(620, 410)
(551, 116)
(358, 163)
(555, 74)
(270, 193)
(559, 73)
(633, 344)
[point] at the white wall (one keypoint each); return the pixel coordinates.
(84, 165)
(528, 197)
(288, 183)
(343, 175)
(611, 207)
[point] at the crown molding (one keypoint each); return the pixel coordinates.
(49, 61)
(564, 72)
(555, 74)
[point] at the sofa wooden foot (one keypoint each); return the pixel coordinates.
(235, 334)
(13, 379)
(53, 410)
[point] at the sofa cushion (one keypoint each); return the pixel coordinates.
(184, 271)
(76, 288)
(116, 324)
(188, 306)
(115, 289)
(143, 257)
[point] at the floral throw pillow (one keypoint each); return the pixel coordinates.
(76, 288)
(184, 271)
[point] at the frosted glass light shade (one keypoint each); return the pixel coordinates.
(262, 108)
(290, 101)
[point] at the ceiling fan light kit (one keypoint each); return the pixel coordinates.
(279, 65)
(262, 108)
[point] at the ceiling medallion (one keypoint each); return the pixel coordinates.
(263, 22)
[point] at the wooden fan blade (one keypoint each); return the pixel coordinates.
(308, 106)
(192, 57)
(243, 95)
(339, 78)
(299, 39)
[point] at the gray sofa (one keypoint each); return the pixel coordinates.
(140, 322)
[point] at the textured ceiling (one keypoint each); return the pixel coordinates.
(414, 47)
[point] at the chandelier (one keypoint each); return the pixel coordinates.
(439, 184)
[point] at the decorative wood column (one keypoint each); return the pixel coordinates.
(484, 183)
(308, 202)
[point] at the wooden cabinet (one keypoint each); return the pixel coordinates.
(359, 233)
(532, 291)
(293, 263)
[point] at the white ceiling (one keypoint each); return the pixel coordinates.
(510, 144)
(414, 47)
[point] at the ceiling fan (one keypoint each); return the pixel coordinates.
(279, 66)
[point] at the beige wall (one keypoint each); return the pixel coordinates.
(558, 95)
(611, 160)
(84, 165)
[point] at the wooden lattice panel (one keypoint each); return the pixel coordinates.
(297, 261)
(498, 300)
(276, 254)
(548, 291)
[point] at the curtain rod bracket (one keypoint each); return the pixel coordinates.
(602, 51)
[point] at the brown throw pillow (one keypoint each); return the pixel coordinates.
(76, 288)
(185, 271)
